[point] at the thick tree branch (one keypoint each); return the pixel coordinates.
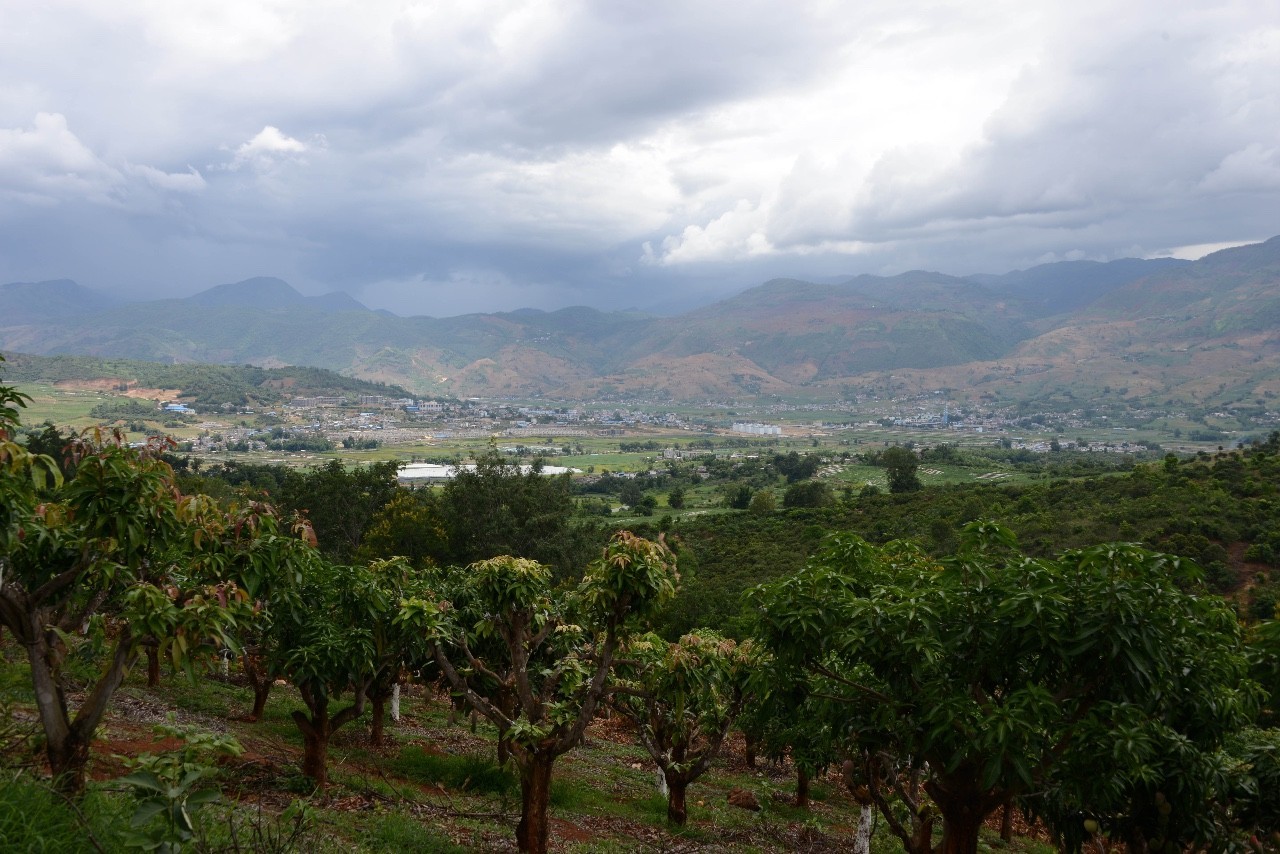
(459, 684)
(870, 692)
(93, 707)
(63, 579)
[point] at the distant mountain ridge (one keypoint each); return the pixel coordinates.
(785, 336)
(270, 292)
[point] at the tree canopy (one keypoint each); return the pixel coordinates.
(1092, 684)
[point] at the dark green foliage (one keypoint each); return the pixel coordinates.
(1201, 511)
(739, 497)
(52, 442)
(1093, 683)
(675, 498)
(632, 493)
(340, 502)
(1256, 796)
(499, 509)
(900, 468)
(794, 467)
(125, 409)
(810, 493)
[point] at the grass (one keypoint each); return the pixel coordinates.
(468, 773)
(34, 819)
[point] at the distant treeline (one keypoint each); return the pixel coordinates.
(203, 385)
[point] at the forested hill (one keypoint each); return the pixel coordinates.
(205, 385)
(1203, 331)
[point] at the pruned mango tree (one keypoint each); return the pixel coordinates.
(269, 558)
(683, 697)
(106, 550)
(331, 640)
(1097, 684)
(550, 649)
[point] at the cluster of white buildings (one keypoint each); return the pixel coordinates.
(756, 429)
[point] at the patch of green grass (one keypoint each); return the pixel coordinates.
(34, 819)
(395, 832)
(466, 773)
(578, 795)
(206, 695)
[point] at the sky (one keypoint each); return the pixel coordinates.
(479, 155)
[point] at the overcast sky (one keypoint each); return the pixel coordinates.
(444, 157)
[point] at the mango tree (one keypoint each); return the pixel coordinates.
(778, 720)
(552, 651)
(397, 647)
(683, 697)
(105, 551)
(1095, 684)
(269, 558)
(326, 641)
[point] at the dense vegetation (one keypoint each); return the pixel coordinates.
(949, 665)
(1218, 510)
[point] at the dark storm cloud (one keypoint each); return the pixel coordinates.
(442, 157)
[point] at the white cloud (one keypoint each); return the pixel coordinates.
(1253, 168)
(190, 181)
(266, 149)
(47, 162)
(47, 165)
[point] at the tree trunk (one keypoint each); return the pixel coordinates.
(1006, 823)
(963, 805)
(260, 694)
(315, 757)
(750, 751)
(376, 726)
(67, 740)
(961, 821)
(862, 842)
(261, 685)
(153, 663)
(677, 812)
(68, 761)
(506, 703)
(535, 794)
(395, 702)
(315, 743)
(315, 738)
(802, 787)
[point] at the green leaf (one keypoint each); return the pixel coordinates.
(202, 797)
(148, 810)
(144, 780)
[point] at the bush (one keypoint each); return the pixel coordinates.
(809, 493)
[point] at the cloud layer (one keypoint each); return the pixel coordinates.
(439, 157)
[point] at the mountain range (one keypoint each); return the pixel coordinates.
(1162, 330)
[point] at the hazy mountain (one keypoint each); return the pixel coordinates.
(1051, 289)
(265, 292)
(49, 302)
(1171, 324)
